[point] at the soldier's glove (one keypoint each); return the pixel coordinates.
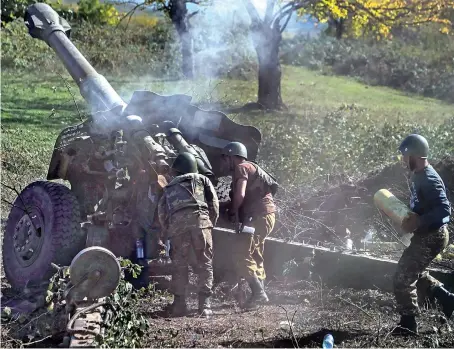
(411, 223)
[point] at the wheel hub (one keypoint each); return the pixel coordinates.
(28, 237)
(94, 273)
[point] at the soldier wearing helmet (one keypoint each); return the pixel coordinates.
(188, 210)
(431, 210)
(253, 205)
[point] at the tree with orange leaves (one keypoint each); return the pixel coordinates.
(377, 17)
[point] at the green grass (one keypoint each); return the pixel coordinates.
(44, 102)
(36, 108)
(302, 87)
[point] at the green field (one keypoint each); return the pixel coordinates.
(36, 108)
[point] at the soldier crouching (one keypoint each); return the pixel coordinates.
(188, 210)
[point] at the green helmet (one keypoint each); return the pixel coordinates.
(415, 145)
(235, 149)
(185, 163)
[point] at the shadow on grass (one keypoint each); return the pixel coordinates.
(48, 77)
(43, 103)
(50, 123)
(313, 340)
(41, 112)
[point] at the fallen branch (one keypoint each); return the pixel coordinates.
(355, 305)
(38, 341)
(290, 325)
(19, 196)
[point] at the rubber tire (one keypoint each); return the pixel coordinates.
(63, 236)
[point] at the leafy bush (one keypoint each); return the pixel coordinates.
(345, 142)
(88, 10)
(139, 47)
(129, 325)
(417, 62)
(143, 21)
(13, 9)
(98, 13)
(138, 50)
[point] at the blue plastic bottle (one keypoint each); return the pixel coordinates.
(328, 341)
(139, 249)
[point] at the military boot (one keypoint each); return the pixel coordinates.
(258, 293)
(205, 305)
(406, 326)
(446, 300)
(178, 308)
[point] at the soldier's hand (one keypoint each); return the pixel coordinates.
(411, 223)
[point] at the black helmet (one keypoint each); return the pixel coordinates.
(185, 163)
(415, 145)
(235, 149)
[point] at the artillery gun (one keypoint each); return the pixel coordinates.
(116, 163)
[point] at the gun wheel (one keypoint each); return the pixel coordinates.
(43, 227)
(96, 271)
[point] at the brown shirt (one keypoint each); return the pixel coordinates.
(258, 200)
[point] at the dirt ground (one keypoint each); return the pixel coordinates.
(354, 318)
(299, 314)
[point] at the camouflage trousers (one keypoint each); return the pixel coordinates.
(193, 246)
(249, 251)
(411, 276)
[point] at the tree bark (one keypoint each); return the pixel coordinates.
(178, 14)
(336, 27)
(186, 54)
(266, 42)
(340, 28)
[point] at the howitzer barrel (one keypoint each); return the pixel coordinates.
(45, 24)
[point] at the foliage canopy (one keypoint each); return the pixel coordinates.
(378, 17)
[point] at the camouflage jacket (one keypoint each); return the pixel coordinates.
(188, 199)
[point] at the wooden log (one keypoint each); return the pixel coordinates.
(335, 268)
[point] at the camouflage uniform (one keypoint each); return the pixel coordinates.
(187, 211)
(257, 210)
(411, 274)
(250, 247)
(428, 200)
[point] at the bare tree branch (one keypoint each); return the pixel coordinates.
(283, 9)
(292, 333)
(12, 205)
(286, 22)
(255, 17)
(269, 11)
(73, 97)
(192, 14)
(355, 305)
(288, 12)
(131, 12)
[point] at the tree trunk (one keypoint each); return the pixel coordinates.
(178, 13)
(186, 55)
(339, 28)
(336, 27)
(267, 42)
